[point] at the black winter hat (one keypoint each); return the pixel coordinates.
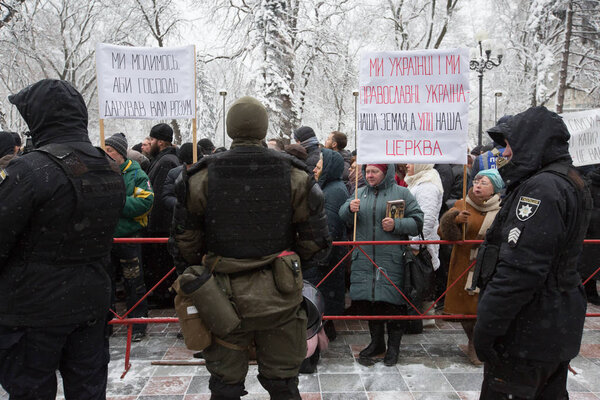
(137, 147)
(186, 153)
(247, 118)
(7, 143)
(162, 132)
(206, 146)
(499, 132)
(118, 141)
(303, 133)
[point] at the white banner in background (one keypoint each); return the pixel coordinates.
(584, 145)
(413, 107)
(146, 82)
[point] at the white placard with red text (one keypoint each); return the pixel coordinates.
(584, 145)
(146, 82)
(413, 107)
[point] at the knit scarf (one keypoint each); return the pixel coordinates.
(490, 207)
(310, 142)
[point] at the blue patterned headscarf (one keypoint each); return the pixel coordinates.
(494, 177)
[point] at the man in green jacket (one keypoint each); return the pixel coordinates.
(125, 257)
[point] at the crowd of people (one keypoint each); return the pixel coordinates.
(304, 195)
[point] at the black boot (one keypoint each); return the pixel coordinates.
(281, 389)
(377, 345)
(309, 365)
(329, 329)
(223, 391)
(395, 331)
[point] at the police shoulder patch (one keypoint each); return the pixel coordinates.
(526, 207)
(3, 175)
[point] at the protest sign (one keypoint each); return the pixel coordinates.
(146, 82)
(413, 107)
(584, 145)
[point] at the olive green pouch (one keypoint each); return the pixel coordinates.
(195, 333)
(287, 272)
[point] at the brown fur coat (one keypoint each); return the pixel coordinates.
(458, 300)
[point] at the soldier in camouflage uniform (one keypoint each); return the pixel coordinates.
(247, 213)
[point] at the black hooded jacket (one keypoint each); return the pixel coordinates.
(38, 208)
(534, 305)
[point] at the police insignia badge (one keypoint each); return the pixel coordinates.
(527, 207)
(3, 175)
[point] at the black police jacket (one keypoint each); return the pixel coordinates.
(534, 305)
(45, 277)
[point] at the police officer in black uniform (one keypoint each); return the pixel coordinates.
(60, 206)
(532, 308)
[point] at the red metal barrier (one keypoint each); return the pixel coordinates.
(122, 320)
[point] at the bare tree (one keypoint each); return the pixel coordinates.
(419, 24)
(8, 9)
(161, 20)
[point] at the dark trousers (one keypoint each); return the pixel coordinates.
(441, 274)
(29, 358)
(157, 262)
(525, 379)
(125, 261)
(333, 288)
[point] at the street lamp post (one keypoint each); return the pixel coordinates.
(496, 95)
(223, 93)
(480, 64)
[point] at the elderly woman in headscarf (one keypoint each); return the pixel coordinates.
(425, 184)
(371, 291)
(477, 211)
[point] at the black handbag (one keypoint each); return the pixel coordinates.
(418, 274)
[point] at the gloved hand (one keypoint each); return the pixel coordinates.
(484, 346)
(178, 260)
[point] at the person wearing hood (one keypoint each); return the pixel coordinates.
(7, 148)
(371, 291)
(328, 173)
(305, 136)
(337, 142)
(126, 257)
(532, 303)
(257, 250)
(54, 250)
(157, 260)
(477, 211)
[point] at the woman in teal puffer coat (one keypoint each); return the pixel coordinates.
(371, 292)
